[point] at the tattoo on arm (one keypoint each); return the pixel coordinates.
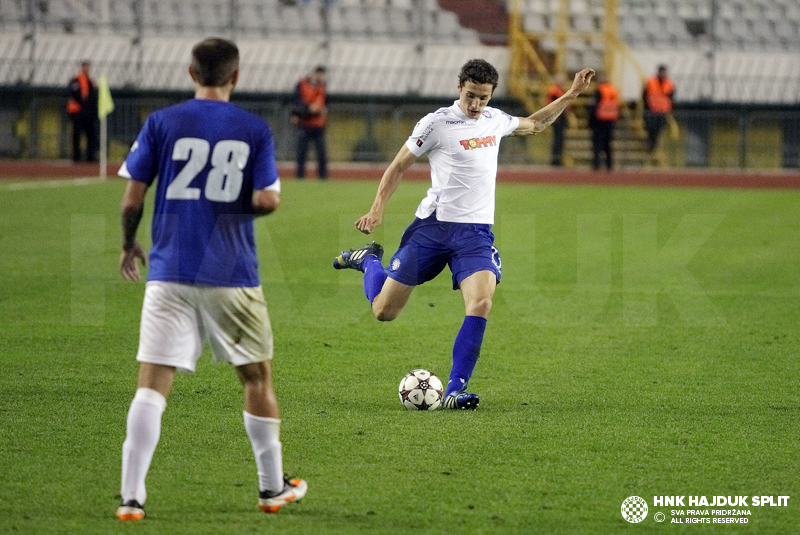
(548, 119)
(130, 222)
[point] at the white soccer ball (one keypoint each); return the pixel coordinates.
(422, 390)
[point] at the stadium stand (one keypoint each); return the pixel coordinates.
(724, 51)
(738, 49)
(372, 46)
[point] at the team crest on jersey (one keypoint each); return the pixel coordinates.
(478, 142)
(487, 114)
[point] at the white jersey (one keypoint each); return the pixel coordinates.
(463, 156)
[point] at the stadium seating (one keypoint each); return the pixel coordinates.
(649, 24)
(682, 33)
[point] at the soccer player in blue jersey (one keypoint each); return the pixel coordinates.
(214, 169)
(453, 223)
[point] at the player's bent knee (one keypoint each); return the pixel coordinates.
(481, 307)
(384, 312)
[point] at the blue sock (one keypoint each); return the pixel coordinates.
(374, 277)
(466, 351)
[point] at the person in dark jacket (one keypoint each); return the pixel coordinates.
(82, 110)
(310, 114)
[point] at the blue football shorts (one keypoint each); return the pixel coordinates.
(428, 245)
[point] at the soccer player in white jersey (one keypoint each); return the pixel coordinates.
(214, 164)
(453, 222)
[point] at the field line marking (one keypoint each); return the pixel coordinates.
(48, 184)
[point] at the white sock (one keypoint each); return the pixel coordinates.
(144, 430)
(264, 435)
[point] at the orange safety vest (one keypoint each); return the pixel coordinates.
(656, 94)
(73, 106)
(554, 93)
(313, 95)
(608, 106)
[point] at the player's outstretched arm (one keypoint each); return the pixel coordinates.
(132, 208)
(391, 179)
(543, 118)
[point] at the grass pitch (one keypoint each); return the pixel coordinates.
(643, 342)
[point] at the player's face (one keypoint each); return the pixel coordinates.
(472, 98)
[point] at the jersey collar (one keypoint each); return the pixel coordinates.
(461, 115)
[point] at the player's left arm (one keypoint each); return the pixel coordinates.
(132, 209)
(538, 121)
(265, 201)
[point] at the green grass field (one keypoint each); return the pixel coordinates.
(643, 342)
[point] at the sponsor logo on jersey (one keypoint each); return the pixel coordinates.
(478, 142)
(425, 134)
(419, 143)
(455, 122)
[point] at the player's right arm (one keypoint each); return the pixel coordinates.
(538, 121)
(389, 182)
(132, 208)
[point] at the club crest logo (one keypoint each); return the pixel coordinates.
(634, 509)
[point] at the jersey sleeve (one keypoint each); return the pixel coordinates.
(509, 123)
(425, 136)
(142, 161)
(265, 170)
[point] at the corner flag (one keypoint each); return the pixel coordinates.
(105, 104)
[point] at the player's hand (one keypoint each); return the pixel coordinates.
(127, 262)
(369, 222)
(582, 80)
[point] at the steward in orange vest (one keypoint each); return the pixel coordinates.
(603, 114)
(310, 113)
(554, 92)
(82, 109)
(658, 95)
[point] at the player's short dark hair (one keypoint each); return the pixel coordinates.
(478, 71)
(214, 61)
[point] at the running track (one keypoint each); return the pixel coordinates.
(50, 169)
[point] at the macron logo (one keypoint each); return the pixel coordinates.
(478, 142)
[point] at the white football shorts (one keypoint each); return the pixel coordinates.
(178, 318)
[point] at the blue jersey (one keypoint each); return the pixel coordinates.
(209, 157)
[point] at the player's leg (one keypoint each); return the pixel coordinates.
(142, 434)
(386, 296)
(420, 258)
(476, 271)
(477, 291)
(391, 300)
(169, 338)
(262, 423)
(237, 326)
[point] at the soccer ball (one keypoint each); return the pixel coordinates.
(421, 389)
